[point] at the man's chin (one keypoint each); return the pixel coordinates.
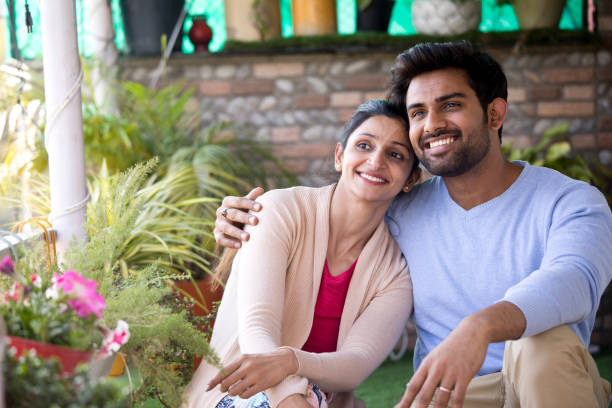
(443, 169)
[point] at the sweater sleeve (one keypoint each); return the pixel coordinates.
(577, 263)
(262, 267)
(368, 342)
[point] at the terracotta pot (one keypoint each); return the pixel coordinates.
(538, 13)
(204, 286)
(252, 21)
(314, 17)
(200, 34)
(68, 358)
(209, 294)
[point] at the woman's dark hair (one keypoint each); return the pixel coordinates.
(485, 75)
(371, 108)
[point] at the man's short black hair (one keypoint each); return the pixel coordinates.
(485, 75)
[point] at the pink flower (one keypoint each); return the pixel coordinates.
(13, 294)
(36, 281)
(7, 267)
(116, 338)
(82, 293)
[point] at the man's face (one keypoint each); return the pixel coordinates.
(448, 128)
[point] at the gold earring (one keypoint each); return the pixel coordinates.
(406, 188)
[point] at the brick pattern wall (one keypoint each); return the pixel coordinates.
(300, 103)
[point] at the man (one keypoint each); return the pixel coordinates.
(508, 261)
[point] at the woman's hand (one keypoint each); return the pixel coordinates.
(295, 401)
(253, 373)
(231, 217)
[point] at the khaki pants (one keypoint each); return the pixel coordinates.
(552, 369)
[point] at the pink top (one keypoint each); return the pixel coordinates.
(323, 336)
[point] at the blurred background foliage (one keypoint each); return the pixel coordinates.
(196, 166)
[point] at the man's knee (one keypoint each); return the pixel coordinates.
(541, 353)
(541, 367)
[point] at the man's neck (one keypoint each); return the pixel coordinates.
(487, 180)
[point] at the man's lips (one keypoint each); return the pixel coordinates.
(437, 141)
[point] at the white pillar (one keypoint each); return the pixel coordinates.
(102, 36)
(64, 126)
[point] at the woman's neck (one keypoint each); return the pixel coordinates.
(352, 222)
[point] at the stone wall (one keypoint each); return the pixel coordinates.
(299, 102)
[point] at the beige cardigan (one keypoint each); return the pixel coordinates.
(270, 297)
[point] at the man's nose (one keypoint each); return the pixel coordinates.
(434, 122)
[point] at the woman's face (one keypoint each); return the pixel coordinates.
(377, 159)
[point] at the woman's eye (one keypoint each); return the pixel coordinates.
(363, 145)
(397, 155)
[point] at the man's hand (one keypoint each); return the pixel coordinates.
(253, 373)
(454, 362)
(228, 228)
(295, 401)
(451, 366)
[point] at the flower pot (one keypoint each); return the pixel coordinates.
(200, 34)
(445, 17)
(376, 16)
(313, 17)
(68, 358)
(252, 21)
(538, 13)
(118, 367)
(209, 294)
(204, 286)
(145, 21)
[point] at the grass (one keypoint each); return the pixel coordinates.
(386, 385)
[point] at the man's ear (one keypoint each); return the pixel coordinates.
(413, 178)
(338, 157)
(496, 113)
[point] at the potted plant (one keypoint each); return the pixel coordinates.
(532, 14)
(445, 17)
(374, 15)
(31, 381)
(255, 20)
(136, 276)
(58, 315)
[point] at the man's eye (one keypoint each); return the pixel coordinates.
(452, 105)
(416, 114)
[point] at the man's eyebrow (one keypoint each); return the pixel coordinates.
(450, 96)
(438, 100)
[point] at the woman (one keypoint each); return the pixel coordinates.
(320, 293)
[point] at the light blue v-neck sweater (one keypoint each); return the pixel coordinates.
(545, 245)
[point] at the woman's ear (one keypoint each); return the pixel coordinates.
(496, 113)
(413, 178)
(338, 157)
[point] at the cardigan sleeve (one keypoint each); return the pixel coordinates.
(261, 268)
(368, 342)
